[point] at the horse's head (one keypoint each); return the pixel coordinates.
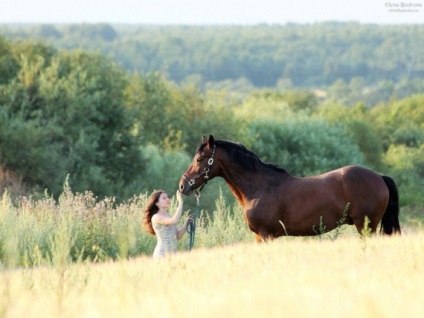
(201, 169)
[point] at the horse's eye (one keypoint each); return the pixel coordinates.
(199, 159)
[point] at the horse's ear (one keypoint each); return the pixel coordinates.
(204, 140)
(211, 141)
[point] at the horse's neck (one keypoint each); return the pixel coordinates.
(237, 193)
(241, 183)
(249, 185)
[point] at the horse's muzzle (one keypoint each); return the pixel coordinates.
(184, 187)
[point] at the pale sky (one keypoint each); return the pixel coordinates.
(195, 12)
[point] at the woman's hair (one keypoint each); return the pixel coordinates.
(150, 210)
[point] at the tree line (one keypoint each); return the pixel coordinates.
(118, 133)
(356, 62)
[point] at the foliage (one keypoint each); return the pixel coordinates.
(352, 62)
(79, 227)
(407, 166)
(165, 168)
(173, 117)
(225, 225)
(401, 121)
(363, 132)
(63, 114)
(118, 134)
(401, 125)
(8, 65)
(286, 135)
(303, 146)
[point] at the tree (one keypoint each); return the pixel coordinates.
(303, 146)
(299, 136)
(49, 32)
(68, 111)
(357, 121)
(8, 65)
(401, 121)
(150, 98)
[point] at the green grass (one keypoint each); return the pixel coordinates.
(78, 228)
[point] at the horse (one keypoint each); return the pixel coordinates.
(275, 203)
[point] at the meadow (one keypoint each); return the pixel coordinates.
(88, 258)
(78, 113)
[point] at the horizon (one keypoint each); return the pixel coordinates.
(207, 12)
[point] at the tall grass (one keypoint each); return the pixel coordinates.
(78, 228)
(291, 278)
(83, 257)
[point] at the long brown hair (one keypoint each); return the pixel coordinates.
(150, 210)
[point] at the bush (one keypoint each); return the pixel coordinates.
(63, 113)
(304, 146)
(407, 168)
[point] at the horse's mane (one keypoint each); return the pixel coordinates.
(242, 156)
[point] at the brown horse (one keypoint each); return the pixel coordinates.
(276, 203)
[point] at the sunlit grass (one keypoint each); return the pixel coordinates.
(83, 257)
(381, 277)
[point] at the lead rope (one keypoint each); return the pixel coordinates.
(191, 227)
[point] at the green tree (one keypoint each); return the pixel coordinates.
(295, 141)
(359, 124)
(69, 110)
(304, 146)
(407, 168)
(401, 125)
(401, 121)
(8, 65)
(176, 117)
(150, 98)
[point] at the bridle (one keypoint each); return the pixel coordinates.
(205, 172)
(191, 227)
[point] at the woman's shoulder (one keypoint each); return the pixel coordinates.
(159, 218)
(156, 218)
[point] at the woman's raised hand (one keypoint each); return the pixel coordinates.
(179, 196)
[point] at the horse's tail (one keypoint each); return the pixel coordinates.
(390, 222)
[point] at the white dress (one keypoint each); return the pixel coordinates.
(166, 239)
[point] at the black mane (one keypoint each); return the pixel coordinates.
(242, 156)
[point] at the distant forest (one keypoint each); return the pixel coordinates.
(348, 62)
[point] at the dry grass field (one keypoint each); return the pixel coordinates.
(346, 277)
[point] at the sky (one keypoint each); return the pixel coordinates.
(207, 12)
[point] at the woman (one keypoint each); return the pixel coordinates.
(159, 222)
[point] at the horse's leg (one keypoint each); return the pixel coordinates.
(263, 238)
(258, 238)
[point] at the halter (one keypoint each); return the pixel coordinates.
(205, 172)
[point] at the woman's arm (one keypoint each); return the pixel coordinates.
(182, 231)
